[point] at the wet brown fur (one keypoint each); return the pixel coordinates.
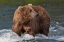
(25, 20)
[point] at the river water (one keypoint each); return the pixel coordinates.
(56, 30)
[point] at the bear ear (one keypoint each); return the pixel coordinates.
(24, 9)
(29, 4)
(21, 8)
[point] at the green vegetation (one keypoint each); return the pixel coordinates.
(35, 2)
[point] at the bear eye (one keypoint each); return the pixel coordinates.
(30, 10)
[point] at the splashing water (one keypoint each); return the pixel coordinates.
(9, 36)
(55, 35)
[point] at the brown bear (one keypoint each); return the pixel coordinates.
(31, 20)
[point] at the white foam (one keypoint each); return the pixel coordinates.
(41, 36)
(28, 37)
(61, 38)
(9, 36)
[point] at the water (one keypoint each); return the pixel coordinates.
(54, 8)
(55, 35)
